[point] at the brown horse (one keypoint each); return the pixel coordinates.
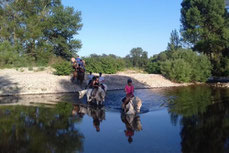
(78, 73)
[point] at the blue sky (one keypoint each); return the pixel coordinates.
(117, 26)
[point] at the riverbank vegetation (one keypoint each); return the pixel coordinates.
(42, 33)
(35, 32)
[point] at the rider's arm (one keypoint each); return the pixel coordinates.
(126, 89)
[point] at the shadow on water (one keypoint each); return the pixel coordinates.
(203, 114)
(9, 90)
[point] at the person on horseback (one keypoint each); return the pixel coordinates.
(89, 77)
(74, 66)
(101, 81)
(129, 90)
(101, 78)
(94, 85)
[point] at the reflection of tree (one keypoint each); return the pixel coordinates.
(39, 129)
(204, 114)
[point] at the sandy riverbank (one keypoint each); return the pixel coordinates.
(19, 82)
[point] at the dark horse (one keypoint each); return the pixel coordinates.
(78, 73)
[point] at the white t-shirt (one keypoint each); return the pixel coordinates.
(90, 77)
(101, 79)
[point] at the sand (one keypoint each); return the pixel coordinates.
(23, 81)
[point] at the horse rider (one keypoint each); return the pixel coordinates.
(129, 90)
(94, 85)
(101, 80)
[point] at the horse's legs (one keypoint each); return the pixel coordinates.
(74, 75)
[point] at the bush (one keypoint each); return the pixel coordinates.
(177, 70)
(63, 68)
(153, 68)
(105, 64)
(181, 66)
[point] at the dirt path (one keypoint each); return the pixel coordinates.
(13, 82)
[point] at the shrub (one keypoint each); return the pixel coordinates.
(105, 64)
(63, 68)
(182, 65)
(153, 68)
(177, 70)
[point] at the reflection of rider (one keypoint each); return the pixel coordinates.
(132, 123)
(97, 114)
(79, 110)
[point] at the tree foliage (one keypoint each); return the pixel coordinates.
(181, 65)
(205, 26)
(137, 57)
(108, 64)
(175, 42)
(39, 29)
(63, 68)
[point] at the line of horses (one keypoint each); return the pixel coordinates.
(98, 98)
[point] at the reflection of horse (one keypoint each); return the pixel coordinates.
(133, 106)
(78, 73)
(94, 95)
(97, 113)
(133, 123)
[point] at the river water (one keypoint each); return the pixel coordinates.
(175, 120)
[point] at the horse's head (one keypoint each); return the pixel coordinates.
(137, 104)
(101, 95)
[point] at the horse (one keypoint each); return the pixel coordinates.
(99, 96)
(78, 73)
(134, 106)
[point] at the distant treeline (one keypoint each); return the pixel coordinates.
(138, 58)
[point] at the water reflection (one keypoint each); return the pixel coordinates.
(132, 123)
(97, 113)
(39, 129)
(203, 113)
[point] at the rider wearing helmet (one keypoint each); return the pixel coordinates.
(129, 89)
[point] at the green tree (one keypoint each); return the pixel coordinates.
(205, 27)
(175, 42)
(40, 29)
(138, 57)
(62, 26)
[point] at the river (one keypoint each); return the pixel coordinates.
(191, 119)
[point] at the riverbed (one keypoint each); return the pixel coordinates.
(190, 119)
